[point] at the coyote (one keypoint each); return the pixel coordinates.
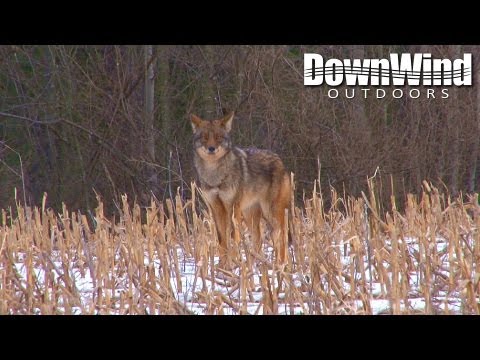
(246, 183)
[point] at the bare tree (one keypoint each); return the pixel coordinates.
(150, 116)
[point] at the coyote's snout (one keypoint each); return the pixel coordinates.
(248, 183)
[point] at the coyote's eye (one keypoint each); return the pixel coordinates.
(205, 137)
(218, 137)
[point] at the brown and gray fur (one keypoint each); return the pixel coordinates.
(247, 183)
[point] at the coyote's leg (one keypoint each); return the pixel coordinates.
(279, 238)
(237, 223)
(222, 220)
(233, 223)
(281, 203)
(252, 217)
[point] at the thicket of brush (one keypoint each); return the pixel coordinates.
(76, 118)
(339, 253)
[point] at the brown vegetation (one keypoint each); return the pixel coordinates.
(99, 214)
(80, 118)
(346, 259)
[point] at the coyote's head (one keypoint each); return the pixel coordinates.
(211, 138)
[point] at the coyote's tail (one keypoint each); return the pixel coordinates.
(291, 236)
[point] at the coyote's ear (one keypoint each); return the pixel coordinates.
(196, 121)
(227, 121)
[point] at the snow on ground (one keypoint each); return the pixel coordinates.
(192, 289)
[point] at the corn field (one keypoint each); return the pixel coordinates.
(161, 259)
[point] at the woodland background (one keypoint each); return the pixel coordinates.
(76, 121)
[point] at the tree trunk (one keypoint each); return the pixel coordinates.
(455, 119)
(164, 114)
(149, 117)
